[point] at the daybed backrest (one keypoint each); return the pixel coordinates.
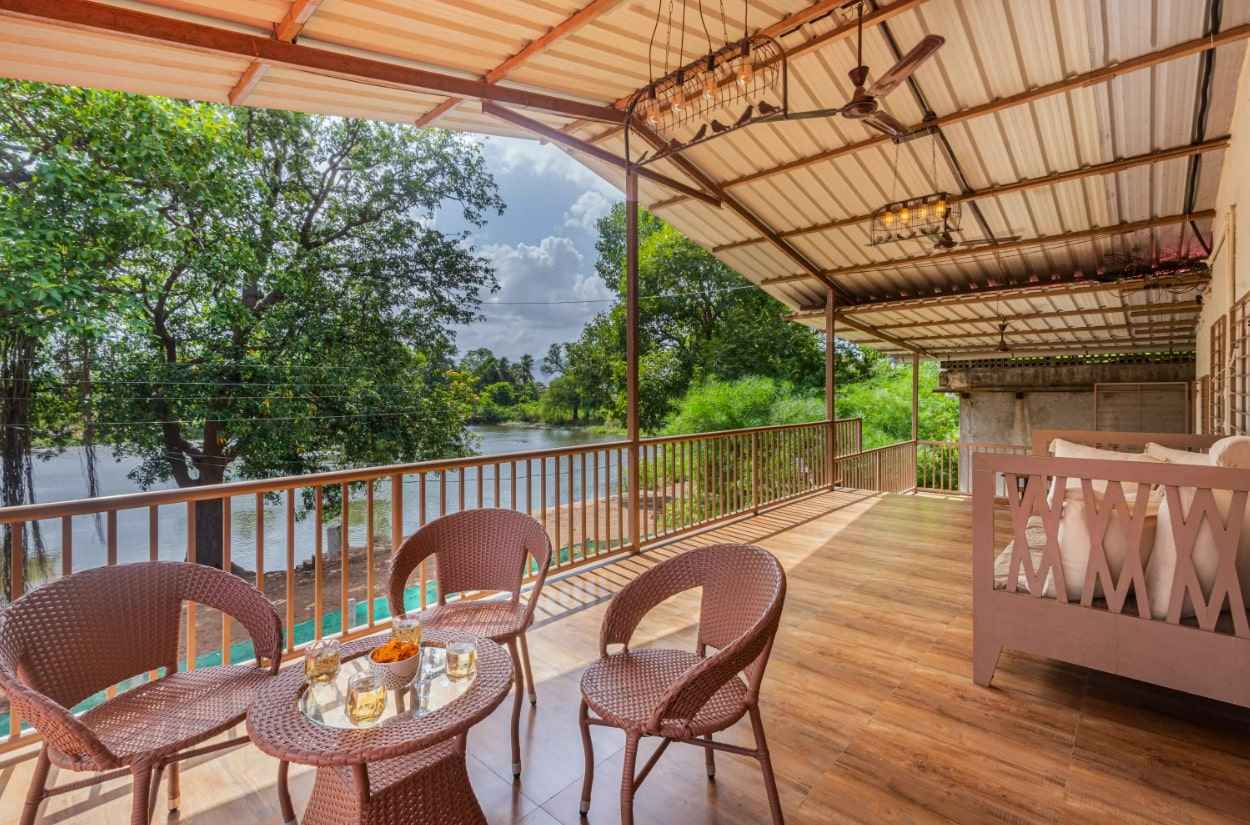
(1201, 515)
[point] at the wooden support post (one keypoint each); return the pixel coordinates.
(831, 388)
(631, 353)
(915, 396)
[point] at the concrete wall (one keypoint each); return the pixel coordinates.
(1002, 418)
(1230, 264)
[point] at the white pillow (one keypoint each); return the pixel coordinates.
(1161, 571)
(1074, 537)
(1061, 448)
(1174, 456)
(1233, 451)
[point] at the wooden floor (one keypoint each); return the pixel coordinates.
(869, 705)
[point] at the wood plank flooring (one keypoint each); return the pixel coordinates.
(869, 705)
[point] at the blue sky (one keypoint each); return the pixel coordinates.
(542, 247)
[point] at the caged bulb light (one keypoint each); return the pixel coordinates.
(904, 215)
(678, 99)
(922, 212)
(887, 219)
(711, 87)
(939, 208)
(746, 71)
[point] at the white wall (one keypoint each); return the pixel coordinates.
(1230, 264)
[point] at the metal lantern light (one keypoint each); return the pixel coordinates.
(930, 216)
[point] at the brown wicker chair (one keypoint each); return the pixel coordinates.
(481, 550)
(76, 636)
(682, 696)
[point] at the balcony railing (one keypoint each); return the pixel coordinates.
(319, 544)
(946, 466)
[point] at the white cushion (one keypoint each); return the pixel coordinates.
(1074, 537)
(1233, 451)
(1061, 448)
(1174, 456)
(1161, 571)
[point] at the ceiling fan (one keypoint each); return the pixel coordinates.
(946, 241)
(864, 104)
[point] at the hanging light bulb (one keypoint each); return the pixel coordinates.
(904, 215)
(922, 212)
(746, 71)
(887, 218)
(711, 88)
(678, 99)
(939, 208)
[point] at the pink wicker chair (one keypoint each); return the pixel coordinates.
(682, 696)
(76, 636)
(481, 550)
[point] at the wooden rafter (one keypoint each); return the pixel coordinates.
(1100, 75)
(1093, 170)
(553, 134)
(566, 27)
(1043, 240)
(286, 30)
(1113, 346)
(350, 66)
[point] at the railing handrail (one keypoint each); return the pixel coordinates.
(905, 442)
(208, 492)
(993, 445)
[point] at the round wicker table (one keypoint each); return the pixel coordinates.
(408, 768)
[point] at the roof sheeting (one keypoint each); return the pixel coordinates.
(995, 49)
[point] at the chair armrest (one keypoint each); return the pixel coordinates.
(242, 602)
(638, 598)
(58, 726)
(531, 601)
(410, 555)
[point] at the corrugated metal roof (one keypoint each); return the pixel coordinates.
(830, 170)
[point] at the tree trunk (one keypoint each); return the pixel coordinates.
(208, 535)
(17, 354)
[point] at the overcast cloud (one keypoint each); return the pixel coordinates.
(543, 249)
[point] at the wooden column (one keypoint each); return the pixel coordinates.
(631, 353)
(915, 396)
(831, 389)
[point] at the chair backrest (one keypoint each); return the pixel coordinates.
(80, 634)
(744, 590)
(484, 549)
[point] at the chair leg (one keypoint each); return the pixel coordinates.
(155, 791)
(710, 756)
(175, 786)
(766, 766)
(529, 673)
(140, 794)
(284, 794)
(516, 709)
(38, 781)
(588, 748)
(627, 779)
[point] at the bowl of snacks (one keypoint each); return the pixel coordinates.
(396, 663)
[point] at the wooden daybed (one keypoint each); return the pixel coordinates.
(1191, 634)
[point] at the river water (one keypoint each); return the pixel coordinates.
(63, 476)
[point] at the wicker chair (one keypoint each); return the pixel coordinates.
(481, 550)
(76, 636)
(682, 696)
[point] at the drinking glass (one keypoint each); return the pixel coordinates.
(366, 699)
(321, 660)
(461, 659)
(406, 627)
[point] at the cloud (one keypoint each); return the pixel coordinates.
(513, 156)
(547, 293)
(586, 211)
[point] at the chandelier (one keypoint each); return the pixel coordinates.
(933, 216)
(736, 83)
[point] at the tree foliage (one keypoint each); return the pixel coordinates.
(265, 291)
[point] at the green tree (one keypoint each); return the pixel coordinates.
(288, 308)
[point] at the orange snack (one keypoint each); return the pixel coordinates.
(394, 651)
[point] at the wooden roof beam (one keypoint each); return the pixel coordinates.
(555, 135)
(568, 26)
(1125, 346)
(1044, 240)
(1093, 170)
(1176, 307)
(1146, 329)
(1100, 75)
(286, 30)
(1018, 292)
(171, 31)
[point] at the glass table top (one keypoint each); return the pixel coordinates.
(325, 703)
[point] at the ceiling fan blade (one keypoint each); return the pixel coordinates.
(813, 113)
(885, 122)
(989, 241)
(903, 69)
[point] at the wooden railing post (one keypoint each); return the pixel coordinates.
(831, 388)
(876, 470)
(755, 473)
